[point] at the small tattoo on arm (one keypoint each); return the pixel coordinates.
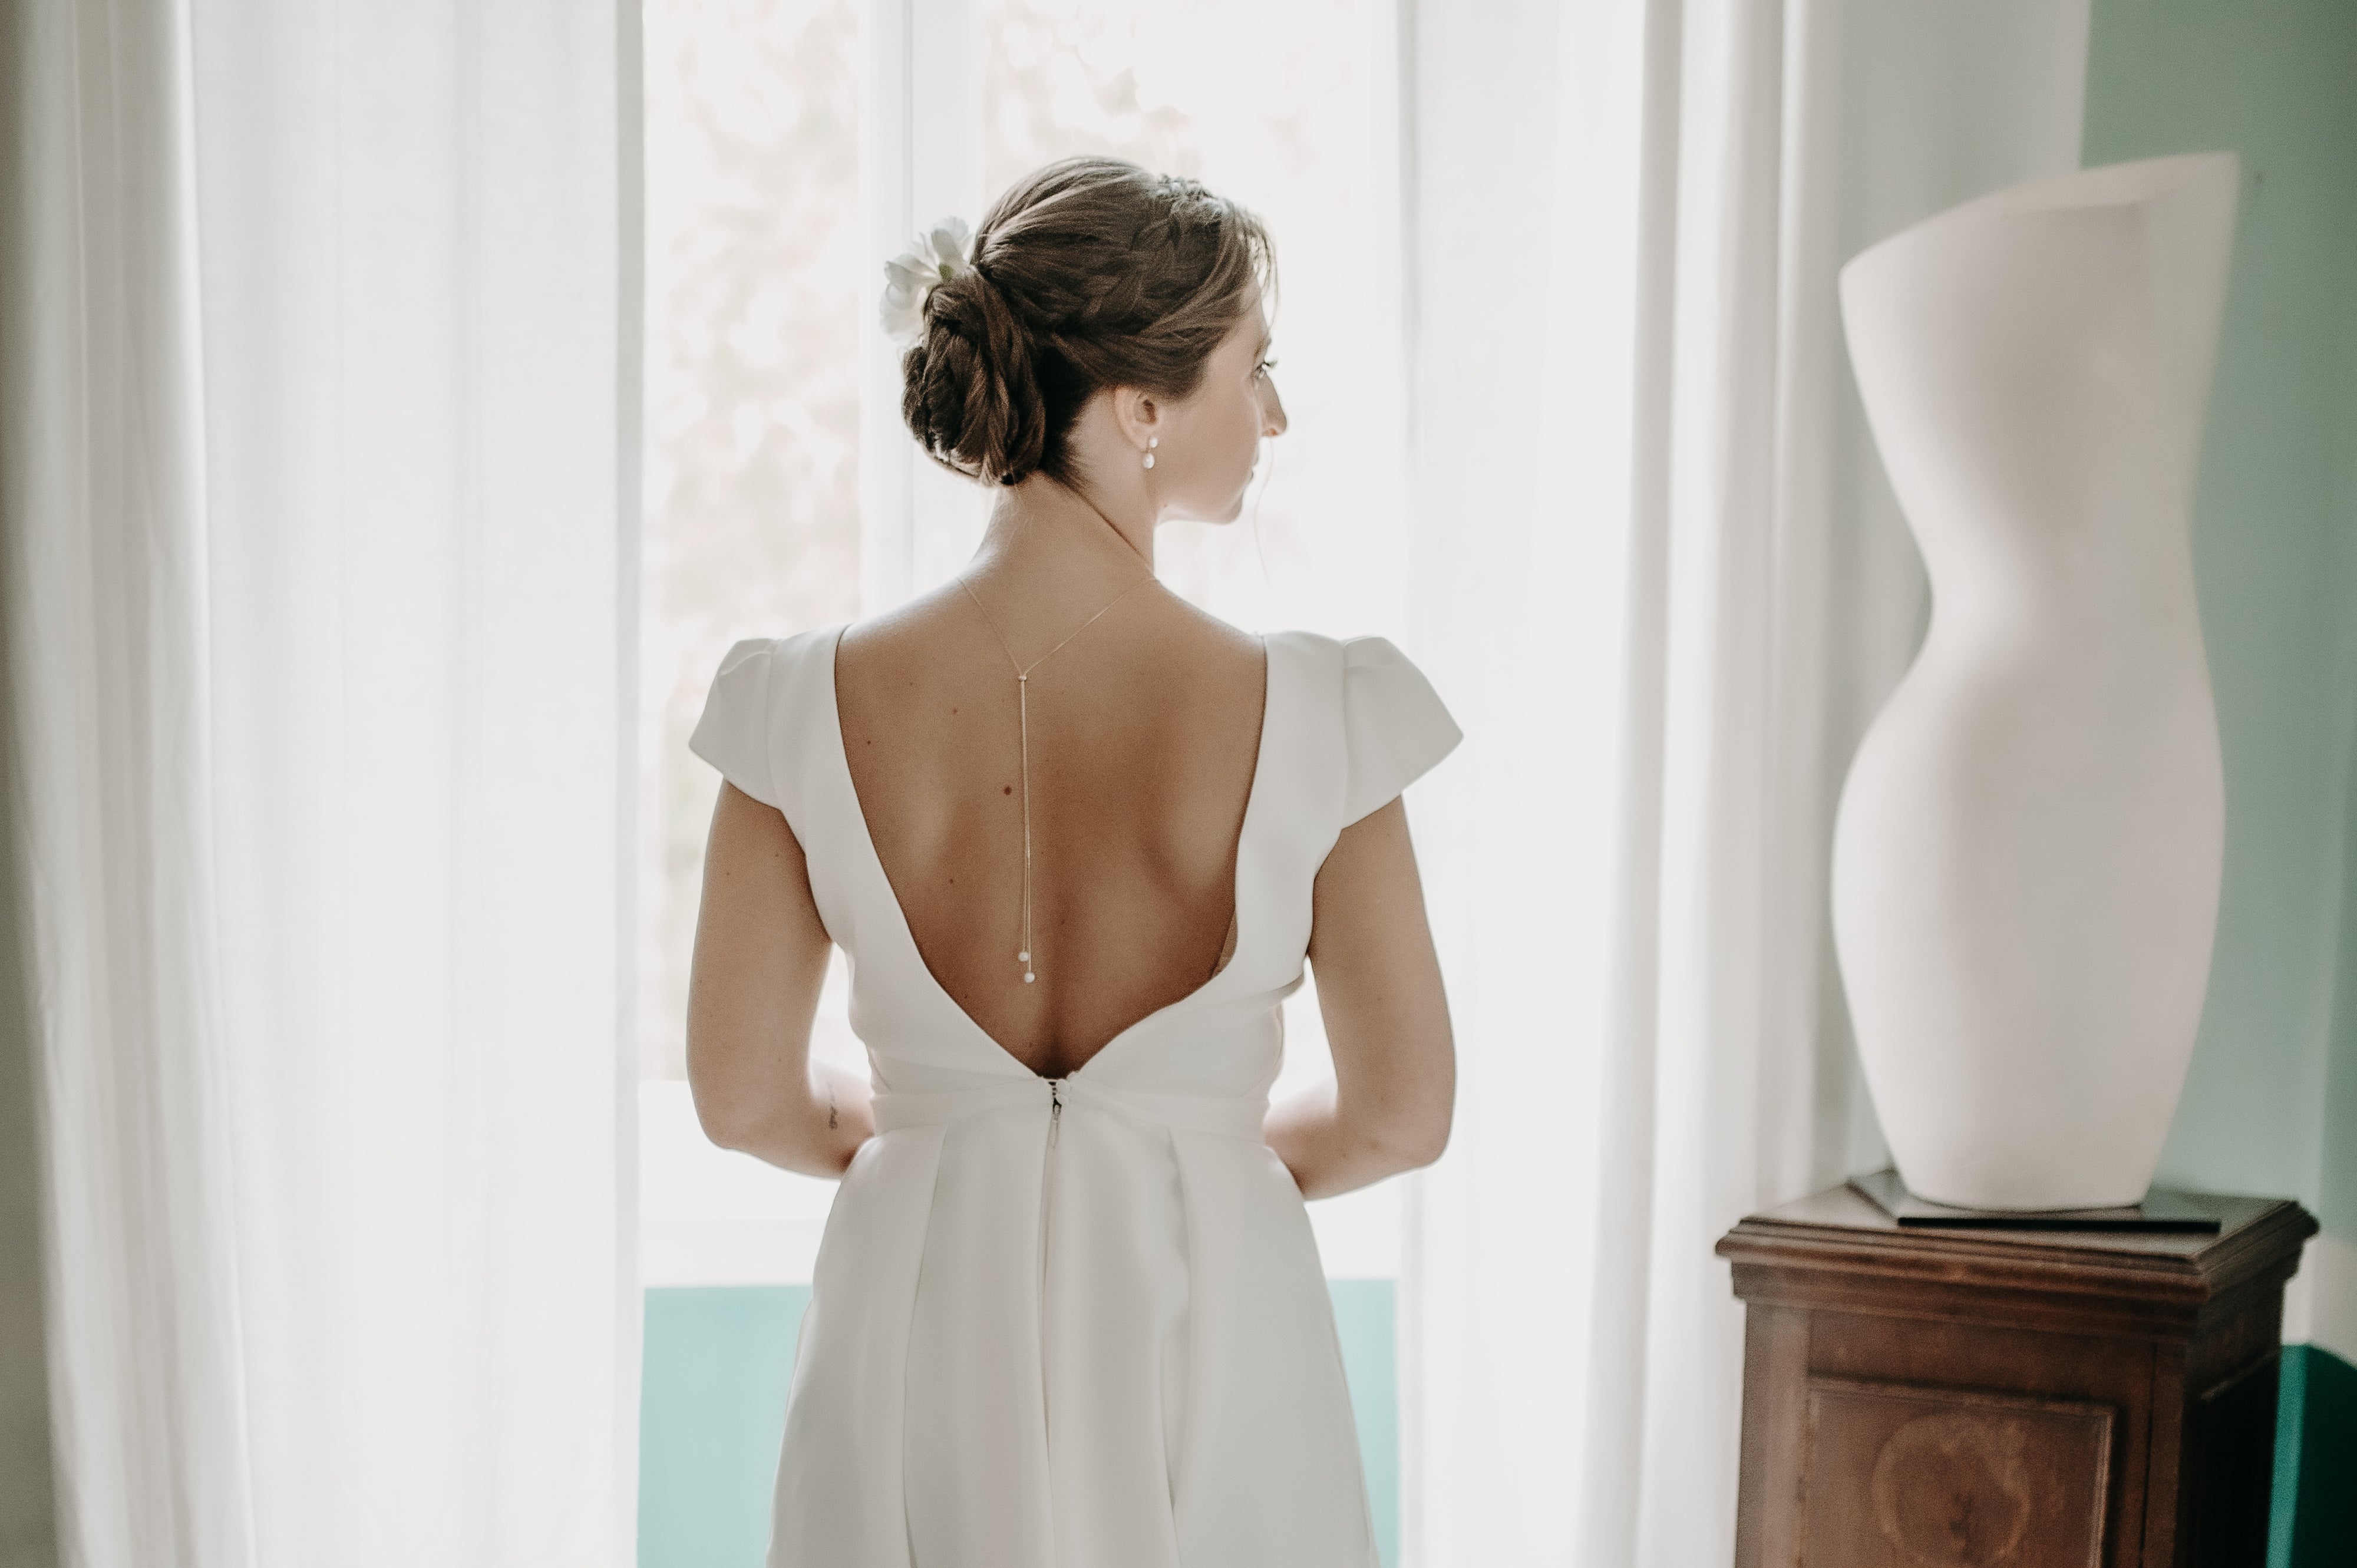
(830, 1108)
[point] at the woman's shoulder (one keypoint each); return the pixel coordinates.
(1205, 633)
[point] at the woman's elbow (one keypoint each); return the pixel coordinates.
(727, 1126)
(1435, 1113)
(730, 1119)
(1422, 1145)
(1412, 1140)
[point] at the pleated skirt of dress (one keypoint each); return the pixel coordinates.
(1115, 1349)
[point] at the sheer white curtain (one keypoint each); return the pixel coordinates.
(410, 218)
(1665, 580)
(104, 525)
(318, 647)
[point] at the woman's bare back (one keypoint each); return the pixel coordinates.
(1145, 737)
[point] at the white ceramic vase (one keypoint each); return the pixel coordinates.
(2026, 857)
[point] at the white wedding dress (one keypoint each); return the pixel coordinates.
(1074, 1323)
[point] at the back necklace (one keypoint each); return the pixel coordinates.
(1023, 708)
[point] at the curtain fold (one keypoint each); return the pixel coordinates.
(102, 515)
(1661, 553)
(311, 450)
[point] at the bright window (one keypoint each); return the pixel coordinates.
(790, 146)
(752, 399)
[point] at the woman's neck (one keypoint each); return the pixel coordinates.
(1046, 541)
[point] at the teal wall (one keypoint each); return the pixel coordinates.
(2271, 1103)
(712, 1411)
(2274, 80)
(1363, 1315)
(2316, 1462)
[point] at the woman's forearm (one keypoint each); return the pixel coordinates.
(1330, 1152)
(815, 1132)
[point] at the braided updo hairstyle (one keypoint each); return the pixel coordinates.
(1089, 273)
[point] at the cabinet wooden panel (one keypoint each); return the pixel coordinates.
(1953, 1476)
(1927, 1399)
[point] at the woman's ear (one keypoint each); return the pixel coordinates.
(1137, 415)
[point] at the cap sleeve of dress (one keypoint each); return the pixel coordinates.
(734, 733)
(1395, 725)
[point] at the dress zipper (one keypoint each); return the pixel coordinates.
(1047, 1209)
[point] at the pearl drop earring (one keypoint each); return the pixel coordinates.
(1151, 442)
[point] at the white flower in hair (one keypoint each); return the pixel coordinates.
(939, 256)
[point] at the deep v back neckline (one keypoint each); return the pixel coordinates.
(872, 864)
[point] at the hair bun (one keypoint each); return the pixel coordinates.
(1089, 273)
(970, 395)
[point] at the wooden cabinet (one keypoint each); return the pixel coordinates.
(1948, 1399)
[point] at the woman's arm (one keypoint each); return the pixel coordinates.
(760, 958)
(1388, 1105)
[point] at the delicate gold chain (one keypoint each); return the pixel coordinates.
(1023, 708)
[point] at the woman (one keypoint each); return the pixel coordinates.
(1077, 838)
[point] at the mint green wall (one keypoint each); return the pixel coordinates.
(2274, 80)
(2271, 1103)
(712, 1411)
(2338, 1198)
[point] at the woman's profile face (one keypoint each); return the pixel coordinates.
(1211, 441)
